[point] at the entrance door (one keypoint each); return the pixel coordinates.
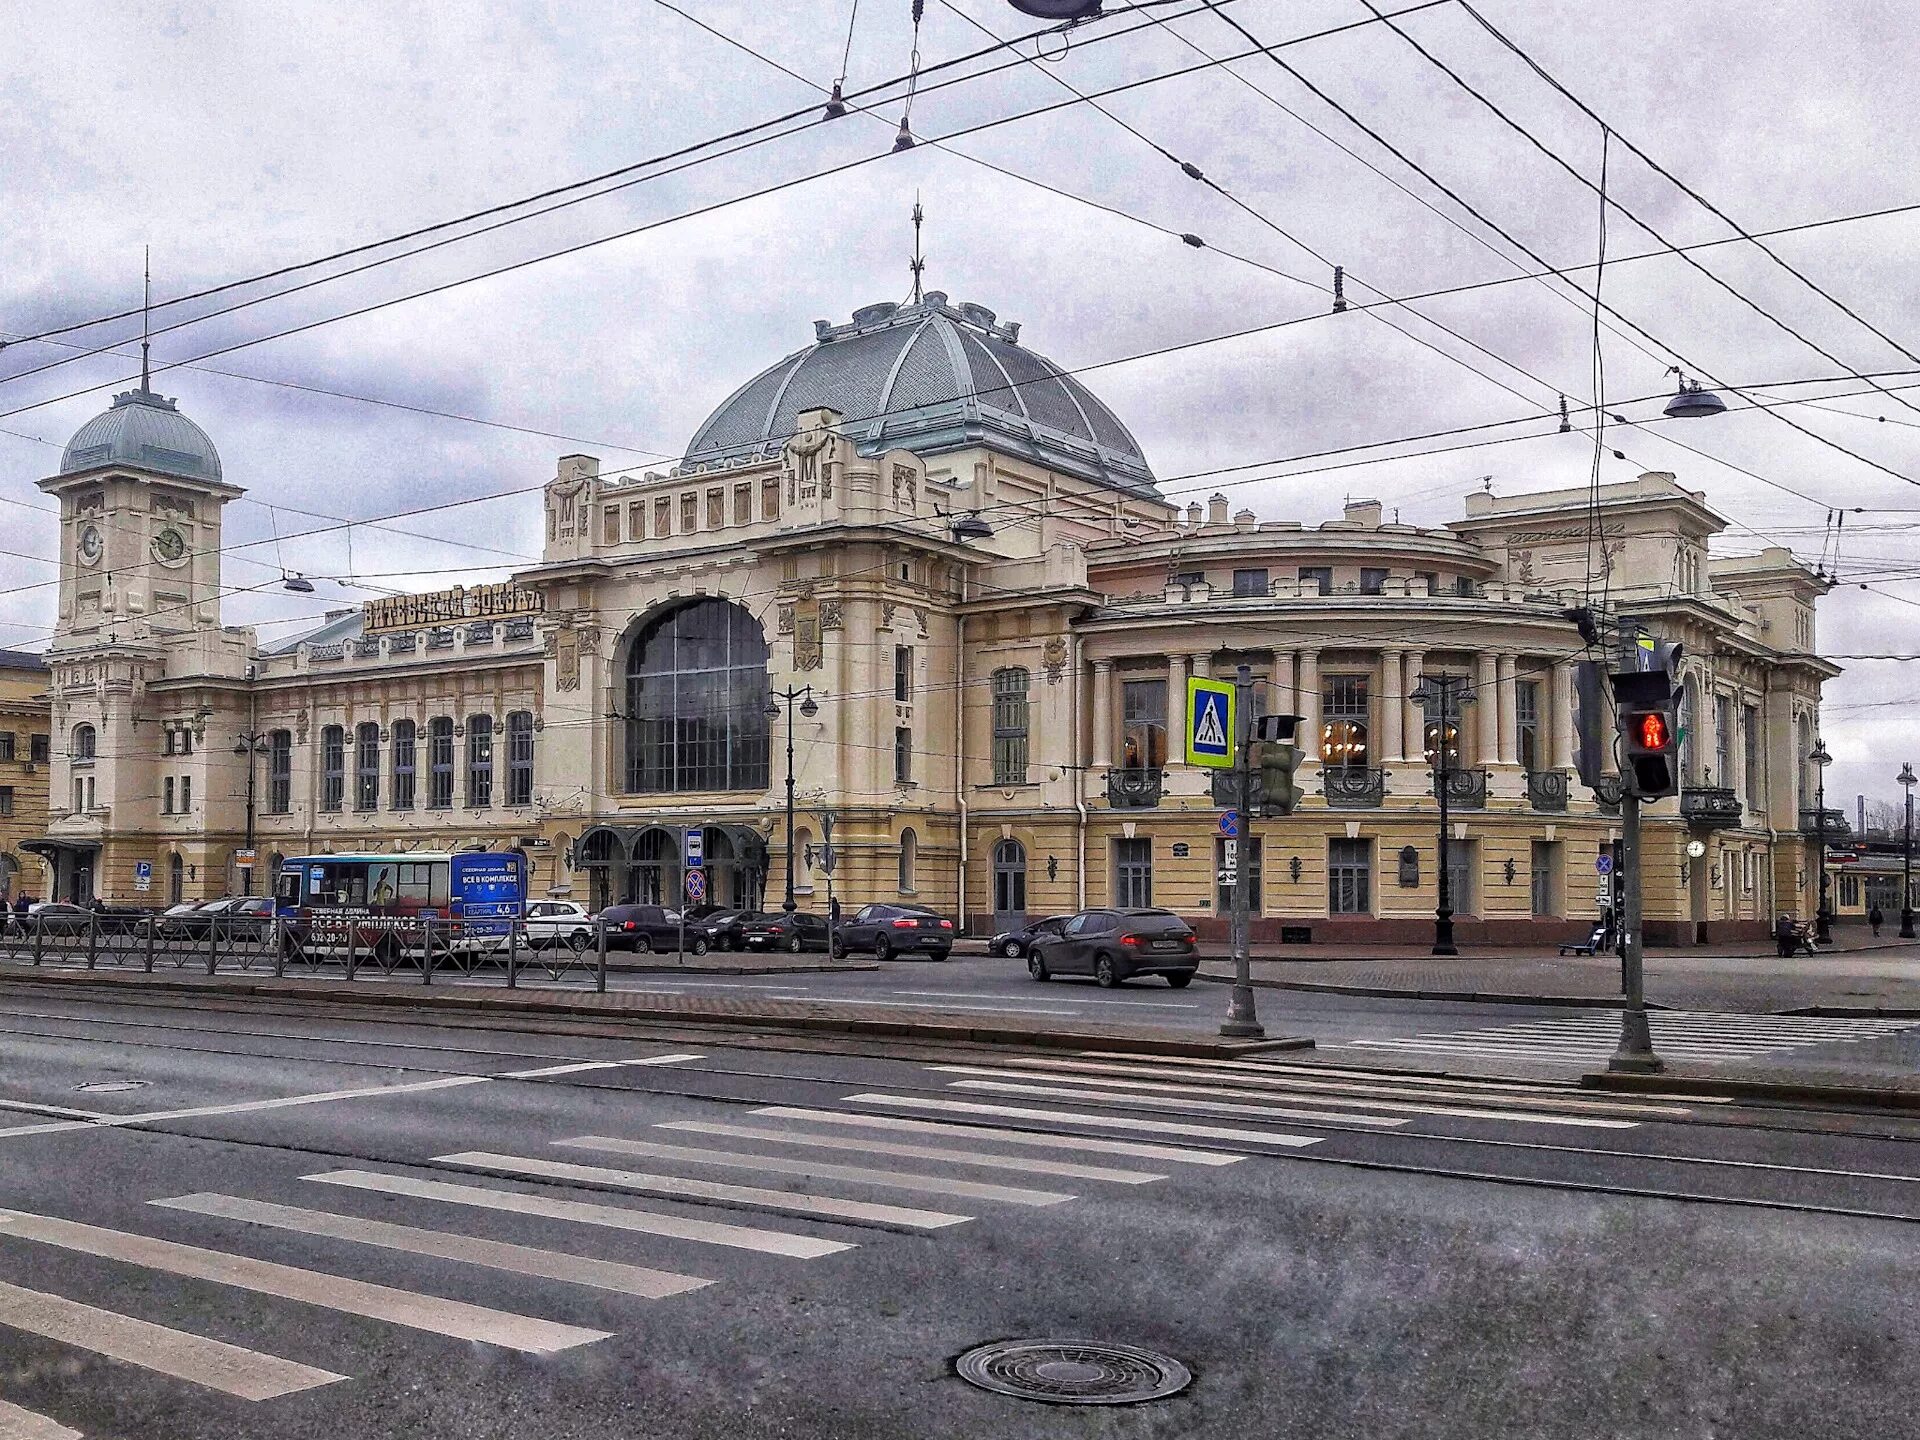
(176, 888)
(1009, 885)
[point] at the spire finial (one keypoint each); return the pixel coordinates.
(919, 260)
(146, 313)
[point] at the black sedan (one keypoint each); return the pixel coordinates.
(643, 927)
(1015, 943)
(793, 933)
(1116, 945)
(722, 929)
(889, 930)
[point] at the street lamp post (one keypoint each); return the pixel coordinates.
(804, 696)
(1823, 913)
(1907, 781)
(249, 744)
(1444, 696)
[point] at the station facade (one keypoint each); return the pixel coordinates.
(938, 572)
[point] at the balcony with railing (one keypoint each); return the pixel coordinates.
(1135, 789)
(1712, 806)
(1547, 790)
(1466, 789)
(1353, 787)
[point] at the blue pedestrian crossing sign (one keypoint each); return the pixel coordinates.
(1210, 722)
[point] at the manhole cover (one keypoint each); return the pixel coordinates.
(103, 1087)
(1074, 1372)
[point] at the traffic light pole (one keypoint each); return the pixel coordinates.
(1241, 1022)
(1635, 1054)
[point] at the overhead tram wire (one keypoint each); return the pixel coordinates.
(1543, 279)
(1194, 172)
(808, 118)
(708, 209)
(1688, 364)
(1574, 171)
(985, 164)
(1740, 231)
(808, 113)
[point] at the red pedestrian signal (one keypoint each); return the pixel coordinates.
(1653, 733)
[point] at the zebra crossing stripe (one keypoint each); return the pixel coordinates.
(795, 1202)
(452, 1318)
(1158, 1089)
(18, 1424)
(787, 1165)
(465, 1249)
(867, 1145)
(1083, 1144)
(214, 1364)
(1174, 1102)
(1084, 1117)
(581, 1212)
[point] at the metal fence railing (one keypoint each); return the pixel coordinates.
(426, 953)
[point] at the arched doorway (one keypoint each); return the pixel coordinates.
(601, 854)
(1009, 885)
(176, 880)
(654, 876)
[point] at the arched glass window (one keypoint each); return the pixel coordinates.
(366, 767)
(520, 758)
(1010, 721)
(440, 763)
(333, 767)
(697, 702)
(1009, 878)
(479, 760)
(176, 878)
(279, 772)
(83, 745)
(909, 854)
(406, 763)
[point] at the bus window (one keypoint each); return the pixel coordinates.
(286, 888)
(345, 885)
(416, 882)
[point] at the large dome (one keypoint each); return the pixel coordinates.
(143, 430)
(930, 378)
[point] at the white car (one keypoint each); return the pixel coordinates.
(559, 922)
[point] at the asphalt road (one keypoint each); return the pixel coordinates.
(652, 1234)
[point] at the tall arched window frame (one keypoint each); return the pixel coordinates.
(85, 742)
(279, 772)
(479, 760)
(440, 763)
(333, 767)
(366, 766)
(520, 757)
(1011, 721)
(406, 764)
(909, 860)
(696, 711)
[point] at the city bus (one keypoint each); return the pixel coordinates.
(386, 904)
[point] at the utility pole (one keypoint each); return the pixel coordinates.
(1241, 1022)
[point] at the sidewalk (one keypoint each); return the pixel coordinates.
(1857, 976)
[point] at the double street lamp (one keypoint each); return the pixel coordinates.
(809, 708)
(249, 744)
(1443, 697)
(1907, 780)
(1823, 914)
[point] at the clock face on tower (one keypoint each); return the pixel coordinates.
(170, 546)
(91, 544)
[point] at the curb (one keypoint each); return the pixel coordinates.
(505, 1004)
(1855, 1096)
(1855, 1012)
(662, 968)
(1384, 992)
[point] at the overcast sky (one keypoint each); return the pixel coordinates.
(235, 138)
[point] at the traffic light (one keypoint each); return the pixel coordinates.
(1590, 721)
(1649, 732)
(1276, 761)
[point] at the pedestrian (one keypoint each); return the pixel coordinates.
(22, 903)
(1874, 917)
(1783, 935)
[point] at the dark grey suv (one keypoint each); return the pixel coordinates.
(1116, 945)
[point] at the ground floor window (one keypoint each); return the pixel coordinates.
(1460, 876)
(1223, 875)
(1133, 873)
(1350, 877)
(1546, 867)
(1850, 890)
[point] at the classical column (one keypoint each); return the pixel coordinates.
(1201, 666)
(1485, 684)
(1309, 692)
(1103, 714)
(1414, 731)
(1509, 711)
(1392, 711)
(1285, 701)
(1176, 700)
(1560, 716)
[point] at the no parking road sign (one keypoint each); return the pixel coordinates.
(1210, 723)
(696, 885)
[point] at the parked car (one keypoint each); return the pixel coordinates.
(1115, 945)
(889, 930)
(559, 922)
(722, 928)
(172, 922)
(1015, 943)
(246, 917)
(56, 917)
(641, 927)
(793, 933)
